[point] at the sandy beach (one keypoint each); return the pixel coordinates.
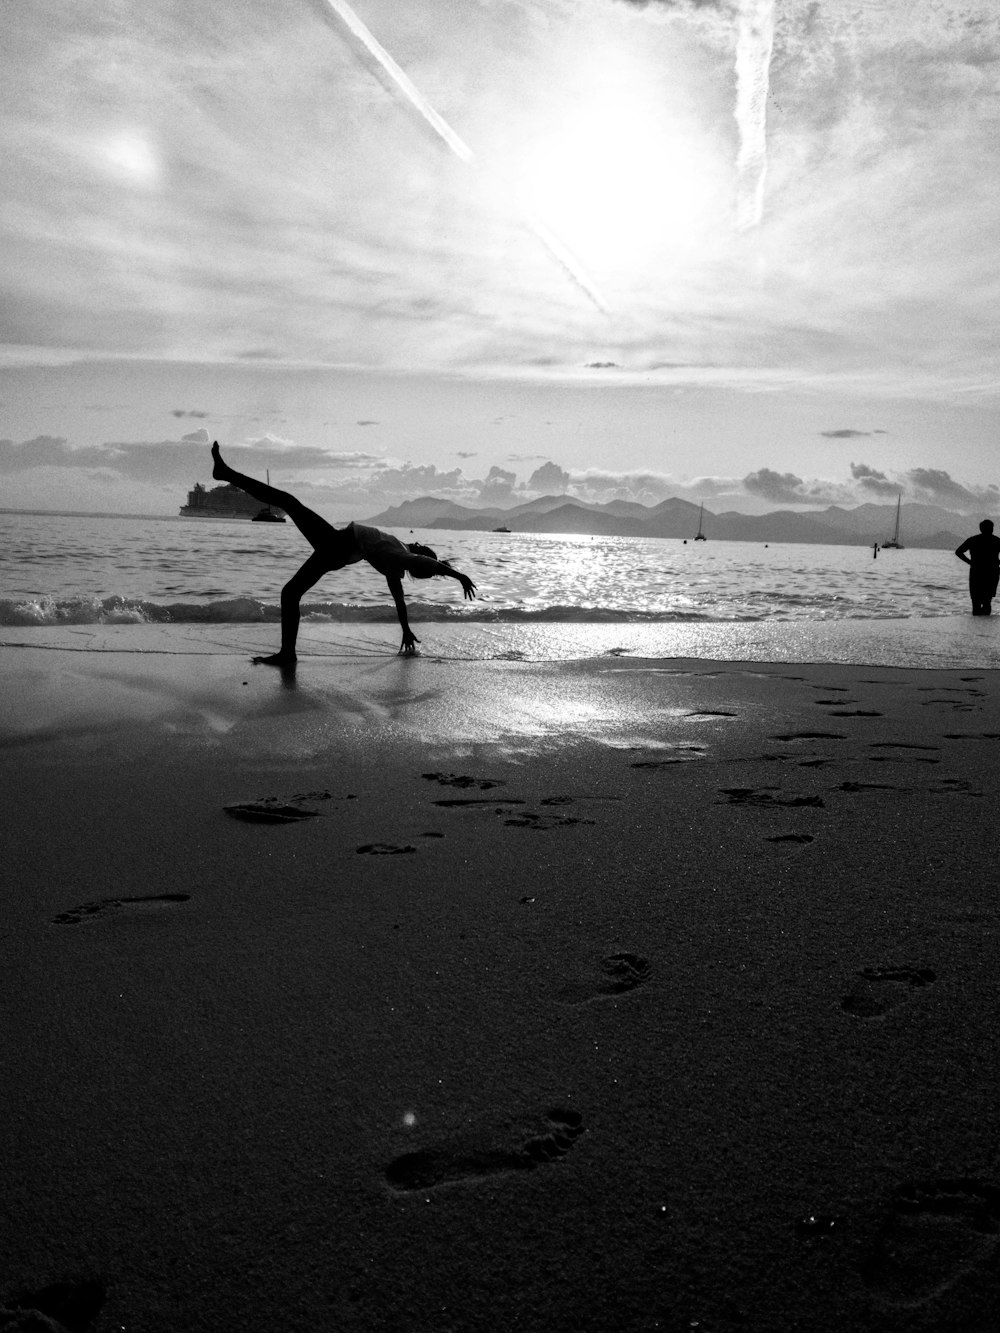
(611, 994)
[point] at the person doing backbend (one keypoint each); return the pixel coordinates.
(333, 548)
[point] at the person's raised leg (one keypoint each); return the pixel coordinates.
(317, 531)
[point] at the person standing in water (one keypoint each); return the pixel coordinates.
(333, 548)
(982, 554)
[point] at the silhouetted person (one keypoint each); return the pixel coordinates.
(875, 551)
(333, 548)
(982, 554)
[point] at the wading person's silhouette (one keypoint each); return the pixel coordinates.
(333, 548)
(982, 554)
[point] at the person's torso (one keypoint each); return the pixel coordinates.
(984, 549)
(376, 546)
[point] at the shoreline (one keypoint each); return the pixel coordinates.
(569, 995)
(945, 642)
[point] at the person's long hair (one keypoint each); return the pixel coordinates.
(417, 549)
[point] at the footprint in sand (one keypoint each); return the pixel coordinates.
(899, 745)
(869, 786)
(61, 1307)
(953, 787)
(388, 848)
(879, 989)
(622, 972)
(266, 812)
(450, 1163)
(680, 754)
(281, 810)
(103, 906)
(933, 1233)
(810, 736)
(926, 758)
(758, 796)
(459, 801)
(541, 823)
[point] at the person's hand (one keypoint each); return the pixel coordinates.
(408, 647)
(468, 587)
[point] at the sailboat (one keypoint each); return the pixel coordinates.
(267, 514)
(894, 544)
(700, 536)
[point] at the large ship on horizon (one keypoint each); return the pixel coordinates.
(222, 502)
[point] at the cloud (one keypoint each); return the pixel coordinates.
(782, 487)
(42, 451)
(787, 488)
(846, 434)
(550, 478)
(939, 487)
(409, 481)
(861, 471)
(174, 462)
(366, 423)
(603, 365)
(497, 486)
(186, 412)
(465, 453)
(683, 6)
(873, 481)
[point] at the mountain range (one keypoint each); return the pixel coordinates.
(921, 525)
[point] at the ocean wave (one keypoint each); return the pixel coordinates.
(48, 611)
(44, 611)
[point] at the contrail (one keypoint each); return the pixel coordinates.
(754, 43)
(559, 252)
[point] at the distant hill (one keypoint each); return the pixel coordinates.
(927, 526)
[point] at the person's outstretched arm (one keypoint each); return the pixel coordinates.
(409, 645)
(422, 566)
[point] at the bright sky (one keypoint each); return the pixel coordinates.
(557, 243)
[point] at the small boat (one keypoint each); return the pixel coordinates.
(501, 529)
(267, 514)
(699, 535)
(894, 544)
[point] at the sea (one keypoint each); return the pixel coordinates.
(905, 607)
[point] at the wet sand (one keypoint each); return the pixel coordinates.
(609, 994)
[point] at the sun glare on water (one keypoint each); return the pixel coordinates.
(617, 177)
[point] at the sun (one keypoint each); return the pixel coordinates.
(623, 179)
(130, 156)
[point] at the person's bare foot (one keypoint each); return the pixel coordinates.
(219, 468)
(276, 659)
